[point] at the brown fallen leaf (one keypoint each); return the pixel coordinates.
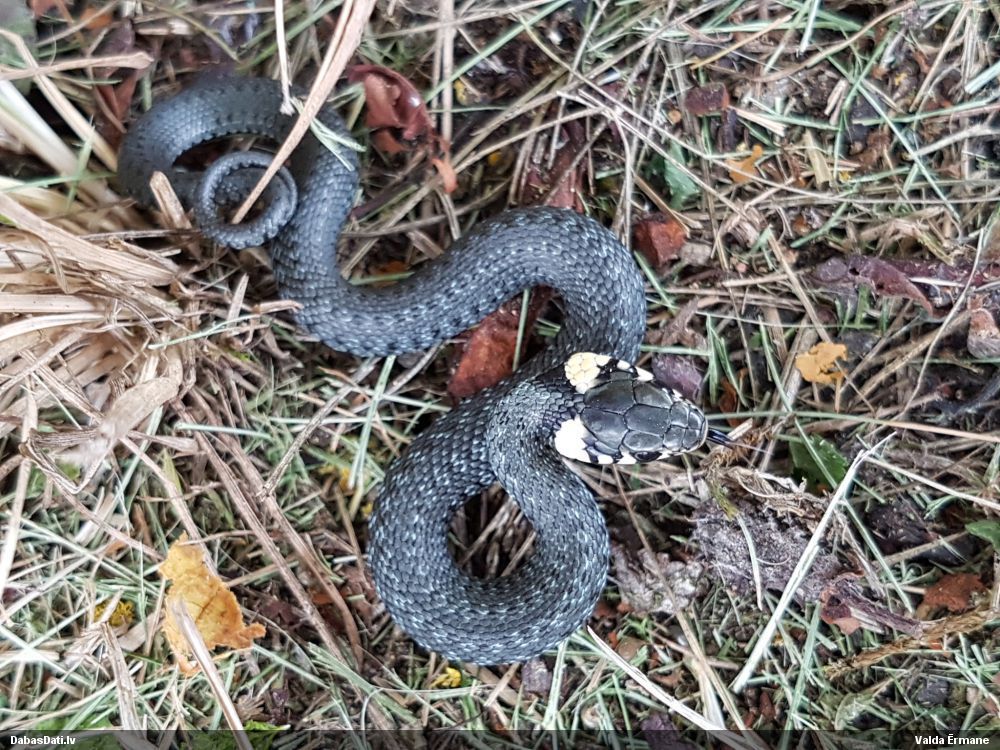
(661, 734)
(42, 8)
(395, 107)
(953, 592)
(741, 171)
(984, 334)
(707, 100)
(679, 373)
(212, 606)
(536, 677)
(448, 177)
(654, 583)
(844, 604)
(96, 18)
(488, 357)
(838, 614)
(819, 364)
(884, 277)
(659, 238)
(392, 101)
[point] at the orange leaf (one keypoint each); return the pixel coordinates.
(489, 355)
(447, 172)
(94, 18)
(659, 238)
(741, 170)
(212, 606)
(819, 364)
(953, 592)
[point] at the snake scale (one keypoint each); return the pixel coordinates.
(499, 435)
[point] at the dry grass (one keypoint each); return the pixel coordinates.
(149, 385)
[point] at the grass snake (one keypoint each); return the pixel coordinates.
(503, 434)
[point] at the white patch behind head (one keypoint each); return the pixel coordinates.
(642, 375)
(583, 368)
(570, 440)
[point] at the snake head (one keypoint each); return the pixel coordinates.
(624, 416)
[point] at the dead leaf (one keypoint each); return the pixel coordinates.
(659, 238)
(392, 102)
(883, 276)
(984, 335)
(952, 592)
(488, 357)
(654, 584)
(679, 373)
(741, 171)
(561, 184)
(41, 8)
(844, 604)
(819, 364)
(395, 107)
(359, 591)
(95, 19)
(707, 100)
(661, 734)
(839, 614)
(536, 677)
(386, 142)
(212, 606)
(449, 179)
(628, 646)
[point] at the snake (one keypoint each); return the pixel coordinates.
(581, 397)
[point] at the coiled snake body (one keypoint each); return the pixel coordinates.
(498, 435)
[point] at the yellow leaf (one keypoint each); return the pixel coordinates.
(449, 678)
(211, 605)
(122, 614)
(741, 170)
(819, 364)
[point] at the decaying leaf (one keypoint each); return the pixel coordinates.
(395, 107)
(741, 171)
(654, 584)
(984, 335)
(211, 605)
(952, 592)
(559, 184)
(536, 677)
(489, 354)
(681, 374)
(659, 238)
(392, 101)
(843, 604)
(885, 277)
(707, 100)
(819, 364)
(661, 734)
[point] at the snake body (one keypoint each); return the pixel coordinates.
(498, 435)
